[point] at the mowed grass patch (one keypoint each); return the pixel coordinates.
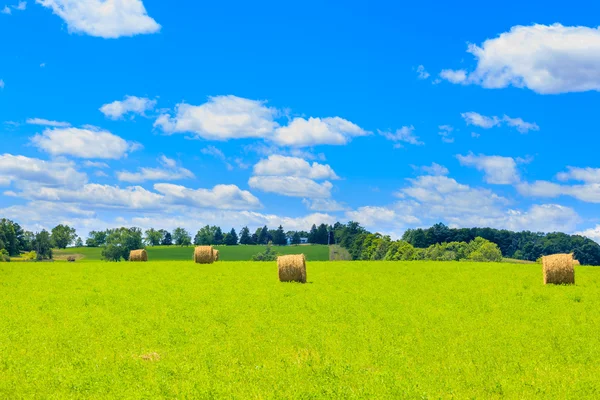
(417, 330)
(226, 253)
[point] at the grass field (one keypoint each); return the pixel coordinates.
(226, 253)
(376, 330)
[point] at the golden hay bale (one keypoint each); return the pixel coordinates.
(292, 268)
(216, 254)
(138, 255)
(576, 262)
(558, 269)
(204, 255)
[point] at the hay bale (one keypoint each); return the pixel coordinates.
(576, 262)
(292, 268)
(204, 255)
(138, 256)
(558, 269)
(216, 254)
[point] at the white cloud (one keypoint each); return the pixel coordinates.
(521, 125)
(2, 84)
(473, 118)
(404, 135)
(592, 233)
(277, 165)
(131, 104)
(547, 59)
(587, 192)
(6, 10)
(434, 169)
(83, 143)
(169, 172)
(422, 73)
(46, 122)
(446, 133)
(21, 6)
(454, 76)
(381, 218)
(94, 164)
(22, 169)
(291, 186)
(318, 131)
(327, 205)
(589, 175)
(228, 197)
(498, 170)
(222, 118)
(213, 151)
(108, 19)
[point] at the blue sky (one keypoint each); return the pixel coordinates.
(123, 112)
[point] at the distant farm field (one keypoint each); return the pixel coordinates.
(373, 330)
(226, 253)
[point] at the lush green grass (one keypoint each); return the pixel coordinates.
(420, 330)
(226, 253)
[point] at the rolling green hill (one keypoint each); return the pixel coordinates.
(226, 253)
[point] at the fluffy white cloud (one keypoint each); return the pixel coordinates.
(222, 118)
(434, 169)
(95, 164)
(46, 122)
(108, 19)
(317, 131)
(213, 151)
(422, 73)
(454, 76)
(131, 104)
(6, 10)
(381, 218)
(592, 233)
(589, 175)
(587, 192)
(446, 133)
(2, 84)
(473, 118)
(291, 186)
(406, 134)
(277, 165)
(83, 143)
(169, 172)
(327, 205)
(547, 59)
(24, 169)
(228, 197)
(94, 196)
(21, 6)
(498, 170)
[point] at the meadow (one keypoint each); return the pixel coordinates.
(376, 330)
(226, 253)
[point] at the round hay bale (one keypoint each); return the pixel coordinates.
(576, 262)
(216, 254)
(138, 256)
(558, 269)
(204, 255)
(292, 268)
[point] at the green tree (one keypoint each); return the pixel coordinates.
(231, 239)
(268, 255)
(218, 236)
(181, 237)
(279, 238)
(96, 239)
(296, 239)
(322, 235)
(167, 239)
(245, 237)
(313, 235)
(153, 237)
(62, 236)
(120, 242)
(78, 242)
(43, 245)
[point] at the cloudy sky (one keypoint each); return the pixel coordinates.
(131, 112)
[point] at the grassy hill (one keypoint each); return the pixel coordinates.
(226, 253)
(376, 330)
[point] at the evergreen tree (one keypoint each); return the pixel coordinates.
(218, 236)
(167, 239)
(279, 238)
(245, 237)
(322, 234)
(313, 235)
(231, 239)
(296, 238)
(263, 235)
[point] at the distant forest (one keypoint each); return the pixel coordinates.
(436, 243)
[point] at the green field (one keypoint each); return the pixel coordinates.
(226, 253)
(373, 330)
